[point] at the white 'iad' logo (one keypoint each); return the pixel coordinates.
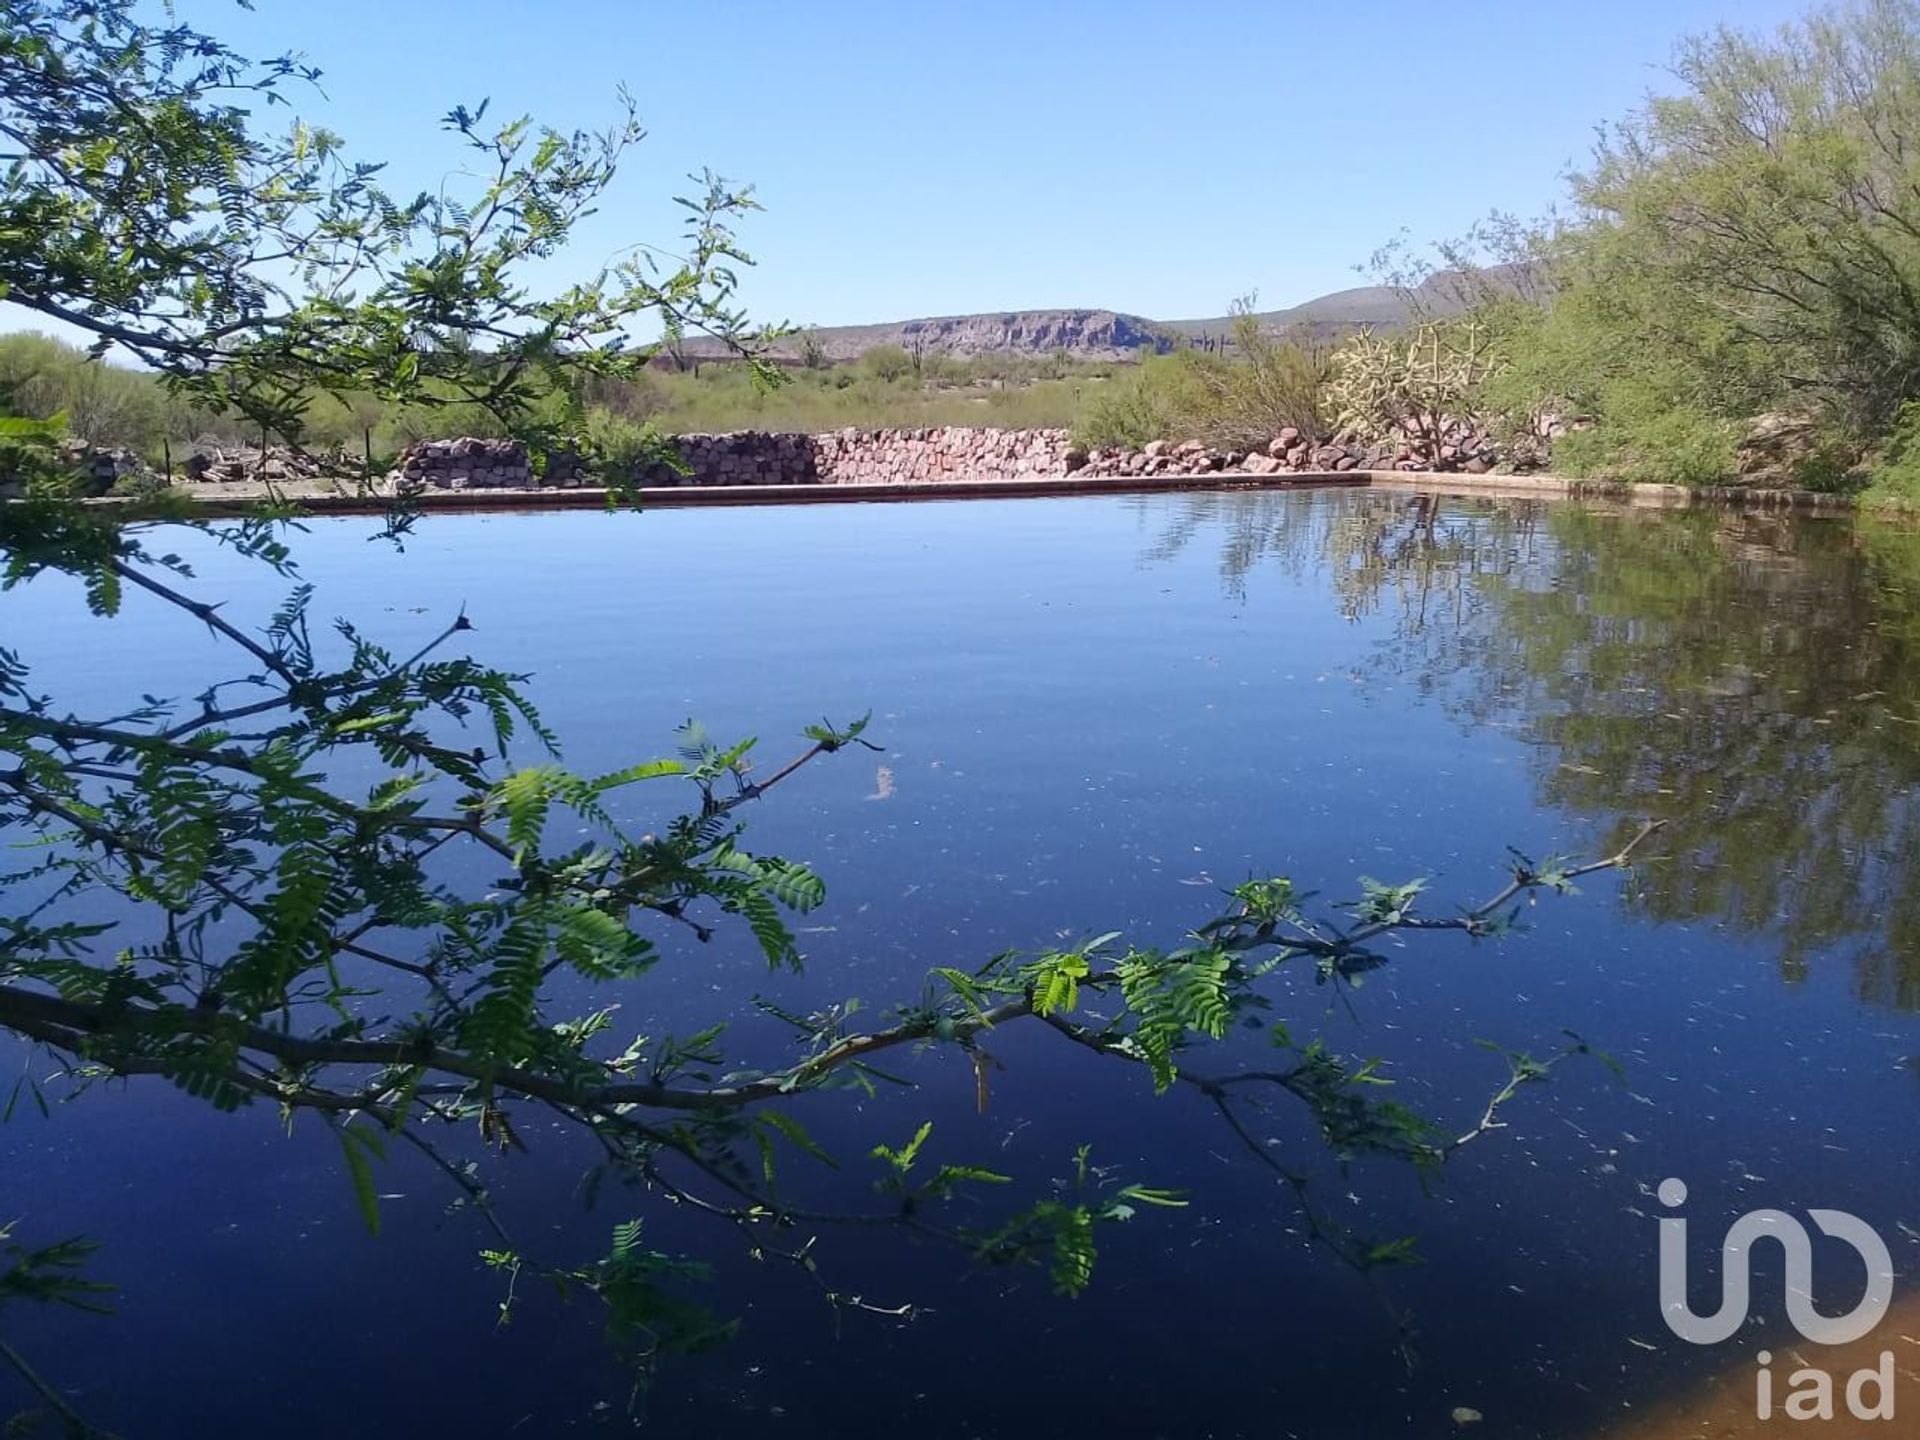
(1812, 1391)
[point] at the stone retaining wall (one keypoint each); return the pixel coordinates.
(751, 457)
(924, 456)
(946, 452)
(920, 456)
(467, 464)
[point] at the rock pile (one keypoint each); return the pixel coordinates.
(213, 463)
(1777, 447)
(99, 469)
(466, 463)
(1444, 442)
(1292, 451)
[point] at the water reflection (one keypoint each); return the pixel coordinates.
(1752, 679)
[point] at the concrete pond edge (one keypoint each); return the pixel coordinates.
(1413, 481)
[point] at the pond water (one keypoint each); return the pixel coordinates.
(1097, 712)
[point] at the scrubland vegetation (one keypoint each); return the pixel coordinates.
(1732, 293)
(112, 405)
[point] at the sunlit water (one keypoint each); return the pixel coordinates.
(1096, 713)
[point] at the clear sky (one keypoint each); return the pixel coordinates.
(935, 158)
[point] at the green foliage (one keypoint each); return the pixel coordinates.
(1386, 904)
(360, 1146)
(648, 1315)
(49, 1274)
(1771, 206)
(29, 449)
(1748, 246)
(163, 241)
(1060, 1232)
(1170, 995)
(1643, 413)
(1266, 383)
(901, 1160)
(1895, 477)
(1234, 401)
(1147, 403)
(103, 404)
(888, 363)
(1055, 978)
(1353, 1118)
(625, 447)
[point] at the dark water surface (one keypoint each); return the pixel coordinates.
(1096, 712)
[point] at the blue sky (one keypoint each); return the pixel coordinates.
(936, 158)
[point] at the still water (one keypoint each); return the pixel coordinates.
(1097, 712)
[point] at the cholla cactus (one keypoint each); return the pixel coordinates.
(1416, 389)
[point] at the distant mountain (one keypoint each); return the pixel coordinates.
(1088, 334)
(1118, 335)
(1380, 307)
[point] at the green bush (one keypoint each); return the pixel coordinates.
(1270, 383)
(1658, 443)
(1145, 404)
(1751, 245)
(621, 446)
(887, 363)
(103, 404)
(1895, 476)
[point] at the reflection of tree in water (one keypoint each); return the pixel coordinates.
(1752, 679)
(1376, 545)
(1250, 527)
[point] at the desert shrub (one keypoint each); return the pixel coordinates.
(1654, 441)
(104, 404)
(1894, 477)
(1749, 245)
(810, 351)
(1270, 383)
(621, 446)
(1238, 402)
(638, 397)
(887, 363)
(1145, 404)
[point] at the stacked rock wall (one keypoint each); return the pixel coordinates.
(944, 452)
(744, 457)
(752, 457)
(927, 456)
(467, 464)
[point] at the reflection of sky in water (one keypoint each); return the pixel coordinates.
(1095, 712)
